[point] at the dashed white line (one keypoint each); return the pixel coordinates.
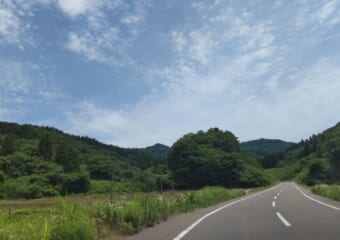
(275, 197)
(283, 220)
(273, 203)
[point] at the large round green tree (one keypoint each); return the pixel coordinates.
(211, 158)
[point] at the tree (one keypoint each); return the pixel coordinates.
(2, 177)
(210, 158)
(68, 157)
(45, 147)
(8, 145)
(335, 161)
(75, 183)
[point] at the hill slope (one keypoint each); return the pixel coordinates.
(315, 160)
(43, 161)
(263, 147)
(267, 151)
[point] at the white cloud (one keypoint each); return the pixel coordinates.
(312, 14)
(102, 39)
(14, 77)
(24, 83)
(326, 10)
(95, 45)
(75, 7)
(86, 118)
(88, 8)
(12, 28)
(132, 19)
(228, 72)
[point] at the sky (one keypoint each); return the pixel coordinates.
(135, 73)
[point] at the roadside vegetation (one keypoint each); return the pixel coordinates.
(96, 221)
(332, 191)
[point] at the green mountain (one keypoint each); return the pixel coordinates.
(158, 150)
(266, 151)
(263, 147)
(314, 160)
(43, 161)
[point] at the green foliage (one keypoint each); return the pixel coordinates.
(102, 167)
(8, 145)
(315, 160)
(73, 231)
(332, 192)
(266, 150)
(144, 210)
(319, 172)
(29, 187)
(45, 147)
(212, 158)
(2, 177)
(18, 164)
(335, 163)
(75, 221)
(75, 183)
(68, 157)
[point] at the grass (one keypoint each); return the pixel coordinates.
(97, 220)
(283, 173)
(258, 189)
(330, 191)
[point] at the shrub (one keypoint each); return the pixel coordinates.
(75, 183)
(328, 191)
(73, 231)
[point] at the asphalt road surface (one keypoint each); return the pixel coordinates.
(285, 211)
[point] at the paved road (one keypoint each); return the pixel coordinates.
(282, 212)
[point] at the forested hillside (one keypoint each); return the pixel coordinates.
(213, 158)
(43, 161)
(314, 160)
(267, 151)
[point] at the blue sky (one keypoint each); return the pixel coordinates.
(133, 73)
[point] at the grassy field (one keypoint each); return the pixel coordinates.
(100, 219)
(332, 191)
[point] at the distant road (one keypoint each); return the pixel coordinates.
(283, 212)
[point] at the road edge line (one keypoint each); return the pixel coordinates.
(315, 200)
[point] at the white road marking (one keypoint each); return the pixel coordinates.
(273, 203)
(283, 188)
(188, 229)
(317, 201)
(275, 197)
(283, 220)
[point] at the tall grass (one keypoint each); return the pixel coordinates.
(332, 191)
(100, 219)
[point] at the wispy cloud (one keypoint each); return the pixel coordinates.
(95, 46)
(255, 68)
(86, 118)
(13, 29)
(22, 84)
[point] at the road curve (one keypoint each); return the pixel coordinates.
(285, 211)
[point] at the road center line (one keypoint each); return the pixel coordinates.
(283, 220)
(317, 201)
(275, 197)
(188, 229)
(273, 203)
